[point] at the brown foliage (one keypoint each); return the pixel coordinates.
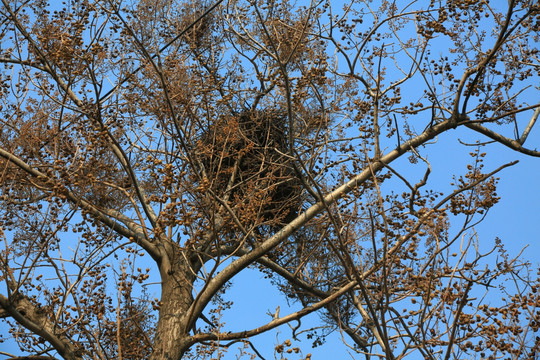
(171, 145)
(245, 159)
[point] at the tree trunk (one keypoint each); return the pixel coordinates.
(172, 335)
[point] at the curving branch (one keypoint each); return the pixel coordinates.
(34, 319)
(275, 322)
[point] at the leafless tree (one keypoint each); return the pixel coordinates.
(215, 137)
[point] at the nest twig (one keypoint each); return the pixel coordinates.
(244, 158)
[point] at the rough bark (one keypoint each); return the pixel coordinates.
(36, 320)
(172, 332)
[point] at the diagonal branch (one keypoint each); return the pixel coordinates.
(34, 319)
(516, 145)
(530, 125)
(115, 146)
(276, 322)
(107, 217)
(237, 265)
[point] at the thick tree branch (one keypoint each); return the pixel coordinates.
(34, 319)
(516, 145)
(237, 265)
(530, 125)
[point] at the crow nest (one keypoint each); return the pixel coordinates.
(244, 159)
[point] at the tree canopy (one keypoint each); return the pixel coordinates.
(174, 145)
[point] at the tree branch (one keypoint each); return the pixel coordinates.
(103, 215)
(34, 319)
(512, 144)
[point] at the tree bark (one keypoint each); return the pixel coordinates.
(34, 319)
(172, 332)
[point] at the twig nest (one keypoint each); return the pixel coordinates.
(245, 158)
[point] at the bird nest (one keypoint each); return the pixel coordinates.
(244, 158)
